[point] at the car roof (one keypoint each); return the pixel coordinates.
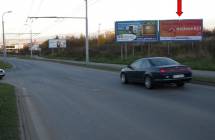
(149, 58)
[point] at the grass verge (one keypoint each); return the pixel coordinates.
(199, 64)
(196, 64)
(4, 65)
(8, 113)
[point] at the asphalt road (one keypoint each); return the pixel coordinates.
(64, 102)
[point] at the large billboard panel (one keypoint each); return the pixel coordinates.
(57, 43)
(176, 30)
(136, 31)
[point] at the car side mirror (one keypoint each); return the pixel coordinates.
(130, 67)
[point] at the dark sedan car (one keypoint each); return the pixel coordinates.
(154, 70)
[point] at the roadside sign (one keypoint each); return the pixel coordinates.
(35, 47)
(178, 30)
(57, 43)
(136, 31)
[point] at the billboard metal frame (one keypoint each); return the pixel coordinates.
(181, 40)
(57, 41)
(141, 42)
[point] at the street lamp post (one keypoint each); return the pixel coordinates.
(31, 42)
(87, 38)
(3, 35)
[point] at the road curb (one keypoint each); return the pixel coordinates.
(23, 120)
(28, 128)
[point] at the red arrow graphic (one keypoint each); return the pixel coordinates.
(179, 10)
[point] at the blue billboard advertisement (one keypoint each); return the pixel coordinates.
(136, 31)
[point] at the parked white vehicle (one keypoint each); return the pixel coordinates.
(2, 73)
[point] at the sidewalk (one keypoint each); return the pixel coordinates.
(117, 67)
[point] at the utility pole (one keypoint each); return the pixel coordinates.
(31, 42)
(99, 28)
(4, 47)
(3, 35)
(31, 47)
(87, 38)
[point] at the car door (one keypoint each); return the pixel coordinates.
(133, 69)
(143, 68)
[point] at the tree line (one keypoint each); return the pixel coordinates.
(103, 47)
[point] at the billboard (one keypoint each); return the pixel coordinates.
(176, 30)
(35, 47)
(57, 43)
(136, 31)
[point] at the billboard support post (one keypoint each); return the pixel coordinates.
(141, 47)
(149, 49)
(52, 51)
(86, 36)
(192, 45)
(121, 51)
(126, 51)
(168, 48)
(59, 50)
(31, 40)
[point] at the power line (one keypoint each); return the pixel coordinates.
(28, 13)
(78, 8)
(47, 17)
(31, 7)
(52, 25)
(39, 7)
(93, 2)
(55, 17)
(48, 27)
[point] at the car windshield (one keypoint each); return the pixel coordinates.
(162, 62)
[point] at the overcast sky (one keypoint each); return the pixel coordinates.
(103, 12)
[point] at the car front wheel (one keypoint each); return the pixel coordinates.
(148, 82)
(124, 79)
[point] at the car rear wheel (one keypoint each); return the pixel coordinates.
(124, 79)
(148, 82)
(180, 84)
